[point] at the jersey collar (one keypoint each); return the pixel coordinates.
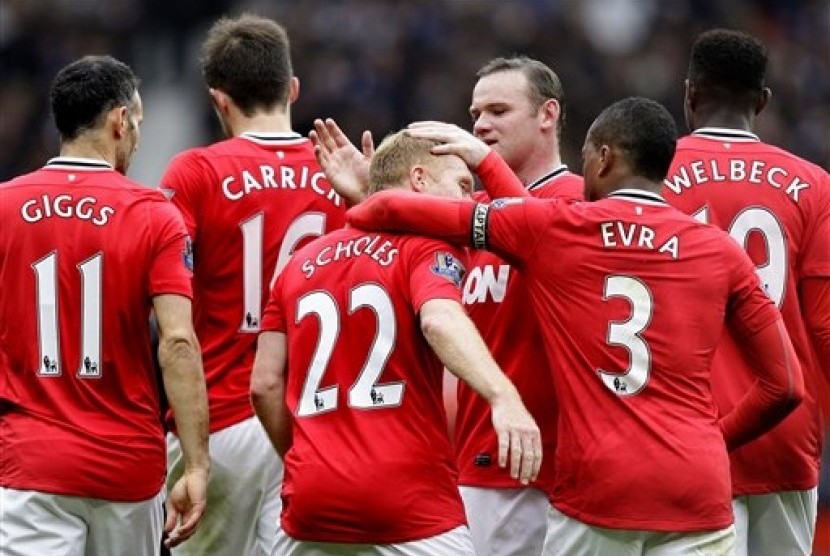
(555, 173)
(77, 163)
(273, 137)
(638, 196)
(721, 133)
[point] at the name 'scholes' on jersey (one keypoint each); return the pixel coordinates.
(371, 460)
(498, 301)
(82, 252)
(777, 207)
(248, 203)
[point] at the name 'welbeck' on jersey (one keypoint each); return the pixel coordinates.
(236, 187)
(384, 254)
(760, 172)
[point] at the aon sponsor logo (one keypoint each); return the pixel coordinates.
(484, 282)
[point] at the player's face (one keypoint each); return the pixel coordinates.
(449, 177)
(504, 116)
(126, 150)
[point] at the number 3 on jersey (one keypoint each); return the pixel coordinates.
(365, 392)
(305, 225)
(627, 334)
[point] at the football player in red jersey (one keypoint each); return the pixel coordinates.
(85, 254)
(518, 109)
(777, 206)
(248, 201)
(617, 284)
(348, 380)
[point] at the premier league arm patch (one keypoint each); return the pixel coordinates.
(187, 254)
(449, 267)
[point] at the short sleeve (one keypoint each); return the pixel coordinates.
(436, 271)
(171, 267)
(273, 317)
(815, 259)
(183, 183)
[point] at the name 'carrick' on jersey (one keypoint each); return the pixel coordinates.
(248, 203)
(639, 444)
(777, 206)
(371, 460)
(82, 252)
(497, 300)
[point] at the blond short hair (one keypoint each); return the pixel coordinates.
(395, 156)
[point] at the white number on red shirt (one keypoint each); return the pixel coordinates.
(48, 320)
(773, 274)
(365, 393)
(307, 224)
(627, 334)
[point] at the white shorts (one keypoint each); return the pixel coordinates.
(506, 521)
(571, 537)
(243, 500)
(452, 543)
(776, 524)
(37, 523)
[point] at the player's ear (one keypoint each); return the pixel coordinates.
(220, 100)
(293, 90)
(550, 111)
(417, 178)
(118, 120)
(763, 99)
(606, 157)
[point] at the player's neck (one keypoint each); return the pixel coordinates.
(261, 121)
(88, 148)
(724, 118)
(537, 168)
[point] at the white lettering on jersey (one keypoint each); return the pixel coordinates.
(66, 206)
(629, 234)
(383, 254)
(482, 281)
(266, 177)
(756, 172)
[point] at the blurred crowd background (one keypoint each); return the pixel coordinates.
(379, 64)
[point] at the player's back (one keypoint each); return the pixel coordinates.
(497, 298)
(370, 460)
(777, 206)
(77, 251)
(248, 202)
(618, 284)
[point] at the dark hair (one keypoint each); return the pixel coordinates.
(88, 88)
(249, 59)
(543, 81)
(727, 64)
(643, 130)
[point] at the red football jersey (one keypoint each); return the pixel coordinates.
(248, 203)
(639, 444)
(371, 460)
(82, 251)
(497, 299)
(777, 206)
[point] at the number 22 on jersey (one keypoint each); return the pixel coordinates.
(365, 392)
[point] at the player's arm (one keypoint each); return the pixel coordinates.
(454, 338)
(511, 231)
(346, 167)
(183, 183)
(779, 384)
(496, 176)
(815, 300)
(184, 384)
(268, 389)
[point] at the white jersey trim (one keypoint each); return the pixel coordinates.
(77, 164)
(274, 137)
(724, 133)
